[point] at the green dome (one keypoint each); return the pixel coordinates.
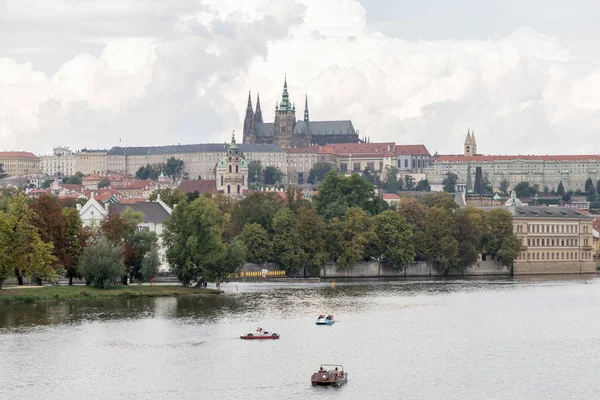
(496, 197)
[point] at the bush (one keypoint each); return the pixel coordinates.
(150, 265)
(102, 263)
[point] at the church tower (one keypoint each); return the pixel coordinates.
(470, 148)
(258, 114)
(249, 134)
(285, 120)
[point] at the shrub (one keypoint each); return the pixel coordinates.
(102, 263)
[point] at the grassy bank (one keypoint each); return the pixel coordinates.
(57, 293)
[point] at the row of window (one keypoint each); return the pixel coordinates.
(555, 242)
(551, 228)
(555, 256)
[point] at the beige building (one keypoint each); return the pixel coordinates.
(17, 163)
(301, 160)
(62, 162)
(554, 240)
(89, 161)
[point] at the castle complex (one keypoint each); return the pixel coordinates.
(286, 131)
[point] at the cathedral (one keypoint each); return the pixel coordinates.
(286, 131)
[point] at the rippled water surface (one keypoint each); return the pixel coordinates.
(483, 339)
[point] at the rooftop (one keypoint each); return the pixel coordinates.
(194, 148)
(545, 212)
(17, 154)
(153, 211)
(528, 157)
(200, 186)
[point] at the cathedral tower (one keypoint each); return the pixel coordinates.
(470, 148)
(285, 120)
(258, 114)
(249, 134)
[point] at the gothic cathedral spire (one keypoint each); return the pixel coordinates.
(258, 114)
(249, 112)
(249, 123)
(306, 108)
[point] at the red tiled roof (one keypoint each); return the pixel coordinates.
(416, 149)
(71, 186)
(529, 157)
(92, 177)
(133, 200)
(137, 184)
(382, 149)
(17, 154)
(390, 196)
(200, 186)
(311, 149)
(103, 196)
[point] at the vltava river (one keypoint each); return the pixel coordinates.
(486, 339)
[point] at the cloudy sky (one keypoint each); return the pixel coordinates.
(524, 75)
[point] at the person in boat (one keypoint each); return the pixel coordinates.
(321, 316)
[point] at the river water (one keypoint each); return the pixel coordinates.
(481, 339)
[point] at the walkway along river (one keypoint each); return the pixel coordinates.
(534, 338)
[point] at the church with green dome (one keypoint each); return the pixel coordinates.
(232, 172)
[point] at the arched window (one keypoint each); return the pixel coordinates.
(419, 163)
(243, 180)
(221, 180)
(237, 169)
(238, 189)
(406, 163)
(230, 169)
(228, 189)
(413, 163)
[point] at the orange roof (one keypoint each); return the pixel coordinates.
(390, 196)
(382, 149)
(417, 149)
(200, 186)
(71, 186)
(103, 196)
(137, 184)
(311, 149)
(133, 200)
(528, 157)
(17, 154)
(92, 177)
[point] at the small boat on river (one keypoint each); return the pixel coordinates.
(329, 375)
(260, 334)
(325, 320)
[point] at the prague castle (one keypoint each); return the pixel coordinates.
(286, 131)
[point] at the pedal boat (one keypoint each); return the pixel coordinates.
(329, 375)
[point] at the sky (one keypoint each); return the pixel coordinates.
(523, 75)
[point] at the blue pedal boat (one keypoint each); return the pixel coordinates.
(325, 320)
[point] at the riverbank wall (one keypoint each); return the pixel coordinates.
(416, 269)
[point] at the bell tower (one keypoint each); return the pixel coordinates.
(470, 147)
(285, 119)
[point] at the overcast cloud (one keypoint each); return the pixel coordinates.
(150, 72)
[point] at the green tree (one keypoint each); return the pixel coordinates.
(467, 226)
(598, 186)
(232, 260)
(3, 174)
(255, 171)
(357, 233)
(193, 239)
(256, 239)
(423, 186)
(150, 265)
(334, 237)
(171, 197)
(504, 185)
(560, 190)
(173, 168)
(272, 175)
(590, 190)
(546, 190)
(24, 253)
(393, 239)
(412, 211)
(409, 182)
(104, 182)
(76, 238)
(259, 207)
(438, 245)
(149, 172)
(499, 235)
(141, 243)
(391, 182)
(318, 171)
(102, 263)
(522, 189)
(442, 200)
(286, 241)
(293, 198)
(449, 182)
(509, 250)
(312, 229)
(73, 180)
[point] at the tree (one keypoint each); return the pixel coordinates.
(173, 168)
(318, 171)
(272, 175)
(169, 196)
(232, 260)
(393, 239)
(255, 171)
(102, 263)
(410, 182)
(590, 190)
(357, 233)
(150, 265)
(522, 189)
(3, 174)
(437, 243)
(23, 252)
(499, 235)
(256, 239)
(391, 182)
(311, 229)
(412, 211)
(566, 197)
(286, 241)
(504, 185)
(598, 186)
(149, 172)
(73, 180)
(293, 198)
(76, 238)
(546, 190)
(259, 207)
(560, 190)
(439, 199)
(104, 182)
(449, 182)
(139, 244)
(193, 239)
(479, 187)
(423, 186)
(468, 224)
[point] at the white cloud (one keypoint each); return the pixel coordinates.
(181, 75)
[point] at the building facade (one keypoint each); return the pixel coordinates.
(88, 161)
(553, 240)
(232, 172)
(300, 161)
(18, 163)
(62, 162)
(548, 170)
(286, 131)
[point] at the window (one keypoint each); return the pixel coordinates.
(344, 168)
(406, 164)
(356, 167)
(371, 166)
(238, 189)
(230, 169)
(221, 180)
(228, 189)
(237, 169)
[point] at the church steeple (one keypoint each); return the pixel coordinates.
(249, 112)
(285, 98)
(470, 147)
(306, 108)
(258, 115)
(249, 123)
